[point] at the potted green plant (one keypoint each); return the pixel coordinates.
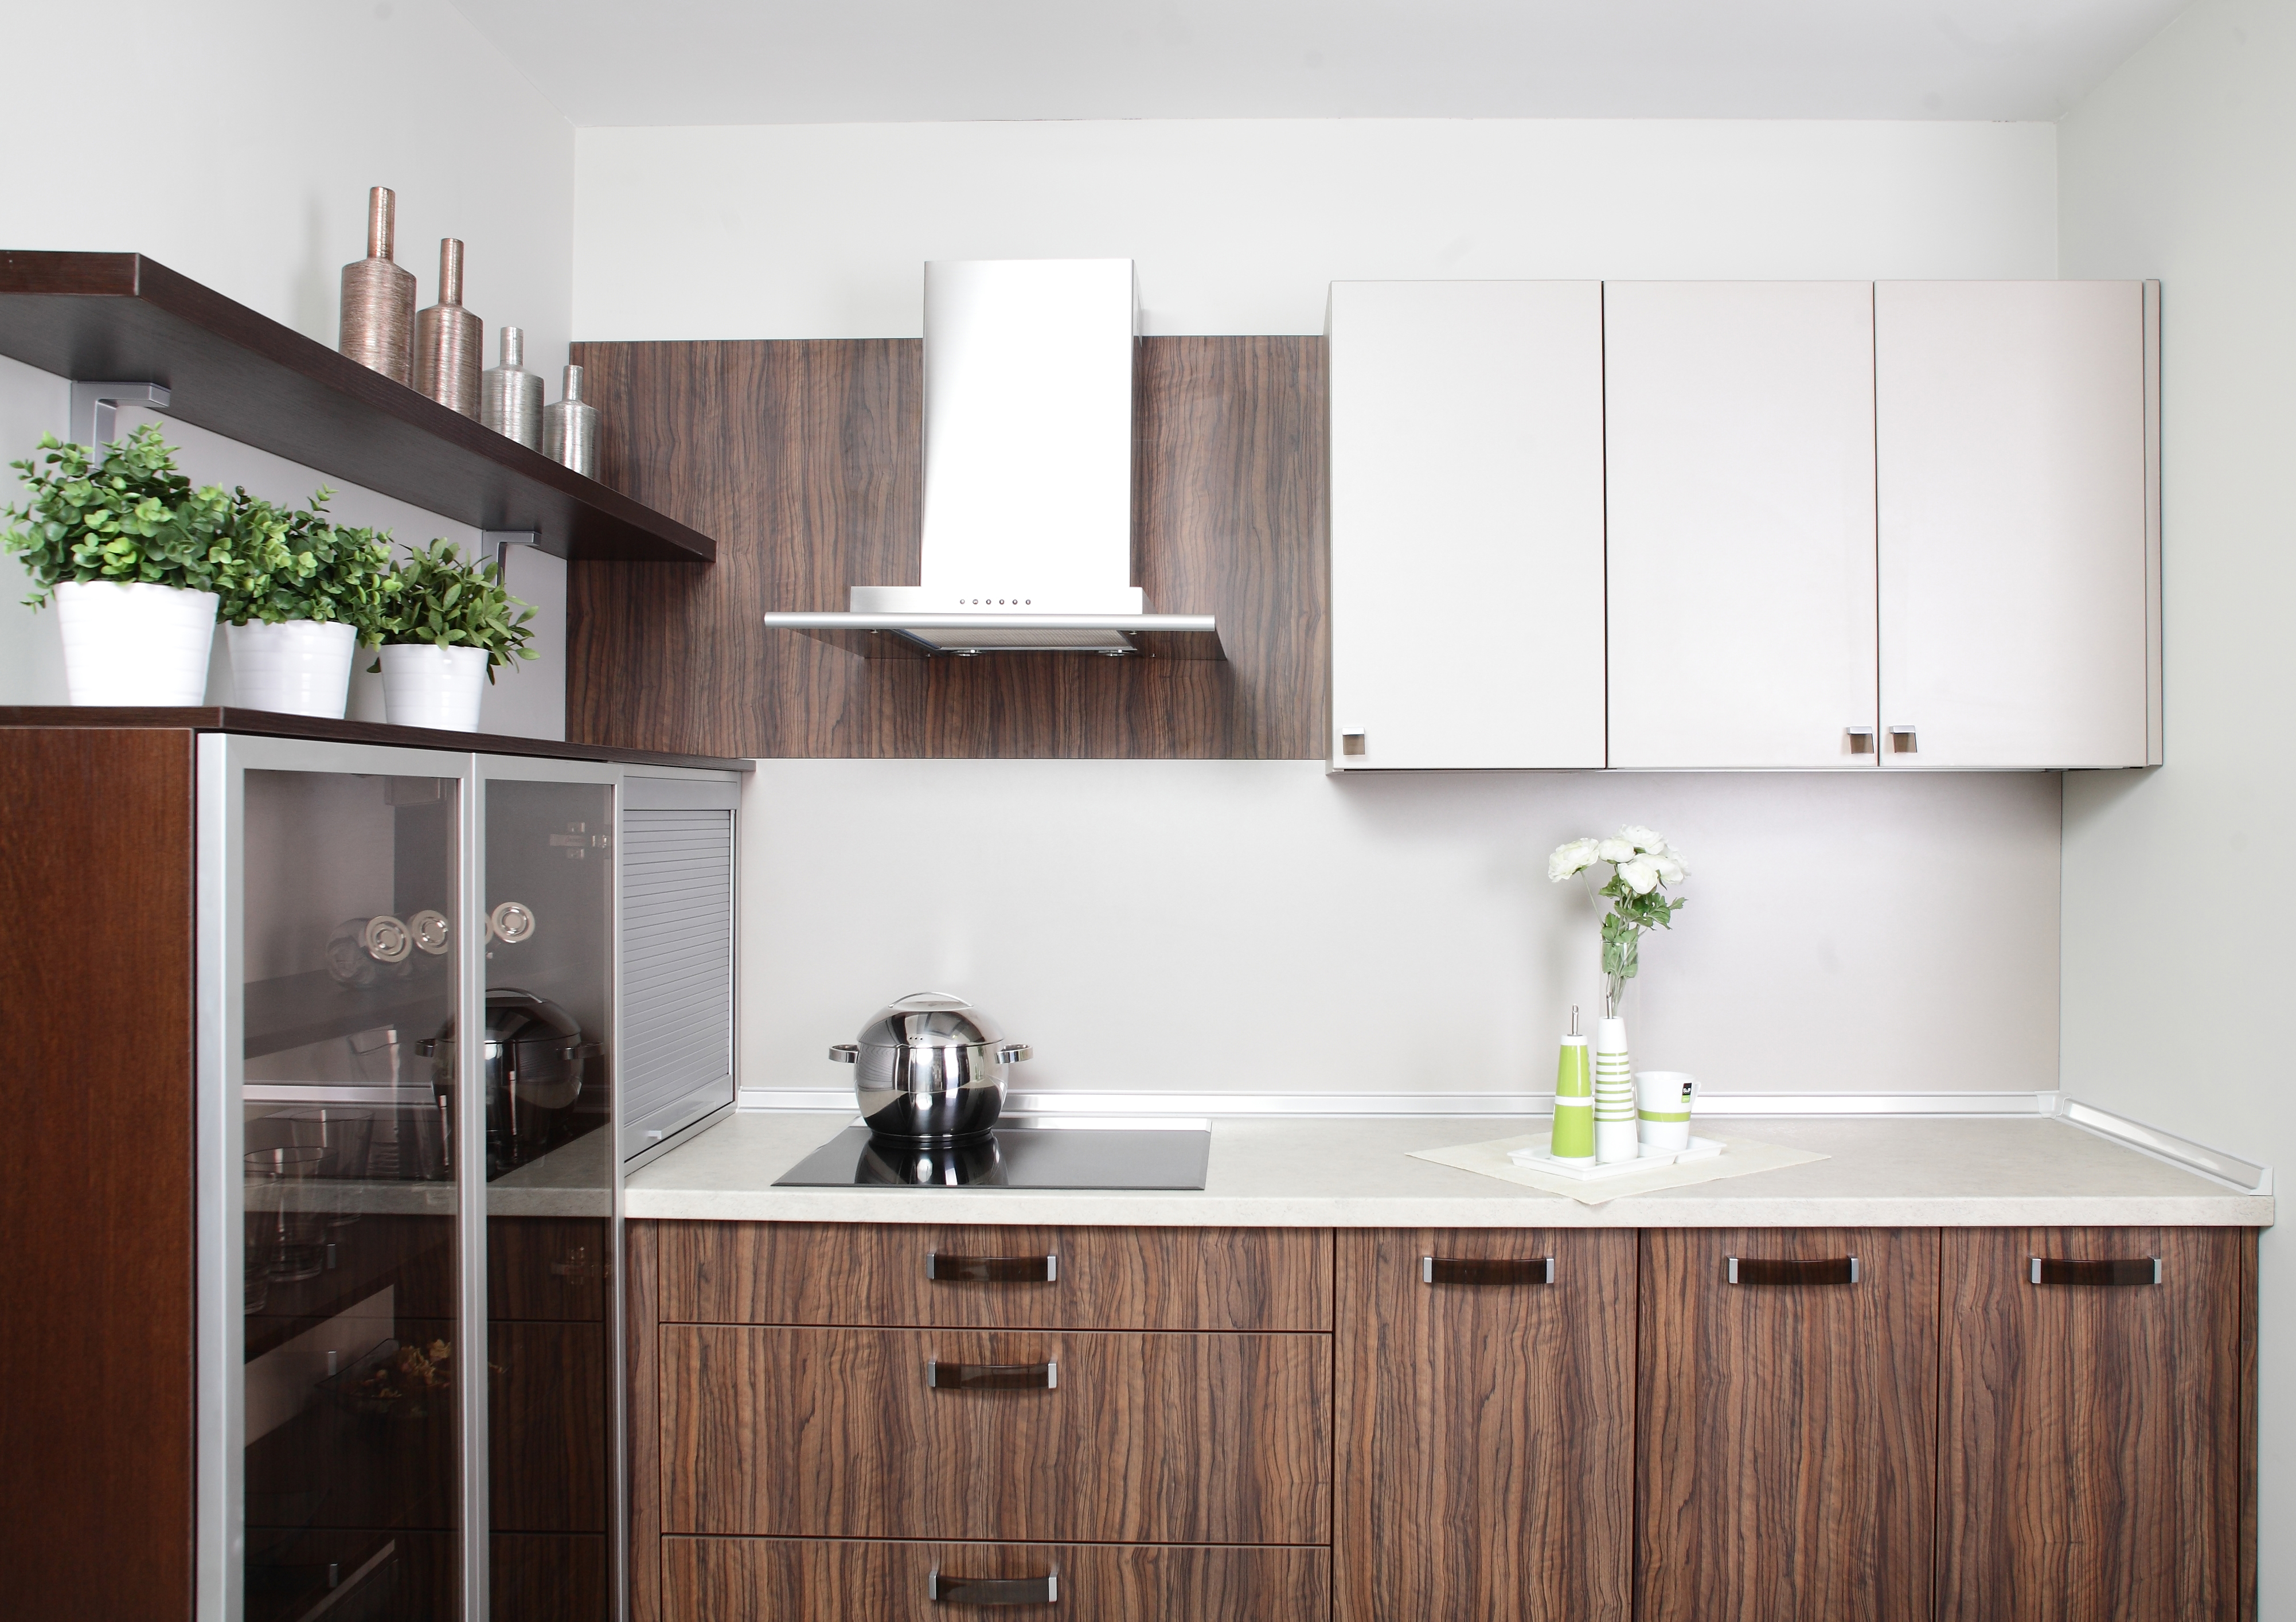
(301, 594)
(448, 625)
(132, 555)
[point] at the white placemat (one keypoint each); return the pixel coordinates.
(1740, 1157)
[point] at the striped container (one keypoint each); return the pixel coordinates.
(1617, 1136)
(1573, 1142)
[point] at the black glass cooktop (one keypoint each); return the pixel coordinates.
(1018, 1157)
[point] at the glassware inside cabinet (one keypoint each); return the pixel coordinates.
(549, 866)
(349, 1382)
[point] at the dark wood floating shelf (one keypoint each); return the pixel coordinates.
(267, 723)
(114, 318)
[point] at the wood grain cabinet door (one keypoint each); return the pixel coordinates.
(775, 1579)
(1094, 1437)
(1486, 1440)
(1786, 1439)
(2097, 1429)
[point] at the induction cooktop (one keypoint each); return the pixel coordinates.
(1011, 1158)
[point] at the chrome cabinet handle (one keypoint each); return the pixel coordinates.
(2051, 1269)
(992, 1269)
(993, 1590)
(845, 1053)
(1751, 1270)
(1861, 739)
(992, 1376)
(1905, 740)
(1456, 1270)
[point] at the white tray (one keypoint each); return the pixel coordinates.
(1540, 1160)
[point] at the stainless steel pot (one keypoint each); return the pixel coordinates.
(931, 1068)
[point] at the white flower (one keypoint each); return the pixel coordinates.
(1573, 858)
(1641, 875)
(1670, 870)
(1616, 850)
(1643, 839)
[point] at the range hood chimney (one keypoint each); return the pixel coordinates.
(1028, 475)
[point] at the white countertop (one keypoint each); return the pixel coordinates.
(1318, 1172)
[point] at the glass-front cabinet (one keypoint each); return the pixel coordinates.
(413, 966)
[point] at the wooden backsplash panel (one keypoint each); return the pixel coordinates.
(803, 458)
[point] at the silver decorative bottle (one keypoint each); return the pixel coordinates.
(510, 397)
(569, 429)
(378, 312)
(450, 341)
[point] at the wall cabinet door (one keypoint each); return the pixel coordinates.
(2018, 553)
(1740, 483)
(1486, 1417)
(1786, 1427)
(1466, 445)
(2097, 1430)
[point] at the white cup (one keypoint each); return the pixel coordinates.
(1664, 1097)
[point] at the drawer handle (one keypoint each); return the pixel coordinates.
(992, 1269)
(2048, 1270)
(992, 1376)
(993, 1590)
(1453, 1270)
(1749, 1269)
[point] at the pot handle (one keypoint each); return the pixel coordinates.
(1013, 1052)
(586, 1050)
(845, 1053)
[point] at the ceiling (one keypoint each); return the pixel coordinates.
(803, 62)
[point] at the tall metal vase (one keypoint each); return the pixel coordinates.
(378, 309)
(569, 429)
(450, 341)
(510, 397)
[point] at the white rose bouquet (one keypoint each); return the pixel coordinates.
(1642, 864)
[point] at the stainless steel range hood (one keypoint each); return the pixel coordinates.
(1028, 475)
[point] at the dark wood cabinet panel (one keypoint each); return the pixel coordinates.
(642, 1372)
(96, 1281)
(1106, 1278)
(2096, 1441)
(1786, 1435)
(552, 1268)
(1144, 1437)
(712, 1580)
(543, 1577)
(549, 1417)
(804, 459)
(1486, 1439)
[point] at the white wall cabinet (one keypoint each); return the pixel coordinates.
(1745, 526)
(1466, 447)
(2019, 553)
(1740, 425)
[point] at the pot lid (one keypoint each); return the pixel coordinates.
(929, 1020)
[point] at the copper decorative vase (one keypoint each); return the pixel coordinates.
(378, 315)
(510, 397)
(449, 340)
(569, 429)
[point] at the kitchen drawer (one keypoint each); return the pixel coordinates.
(775, 1579)
(1106, 1278)
(1142, 1438)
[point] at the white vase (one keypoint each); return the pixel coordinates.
(136, 645)
(299, 668)
(425, 686)
(1617, 1136)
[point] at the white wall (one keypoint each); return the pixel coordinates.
(234, 142)
(1258, 926)
(2177, 967)
(1281, 931)
(821, 231)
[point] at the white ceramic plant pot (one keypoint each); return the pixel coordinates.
(299, 668)
(423, 686)
(136, 645)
